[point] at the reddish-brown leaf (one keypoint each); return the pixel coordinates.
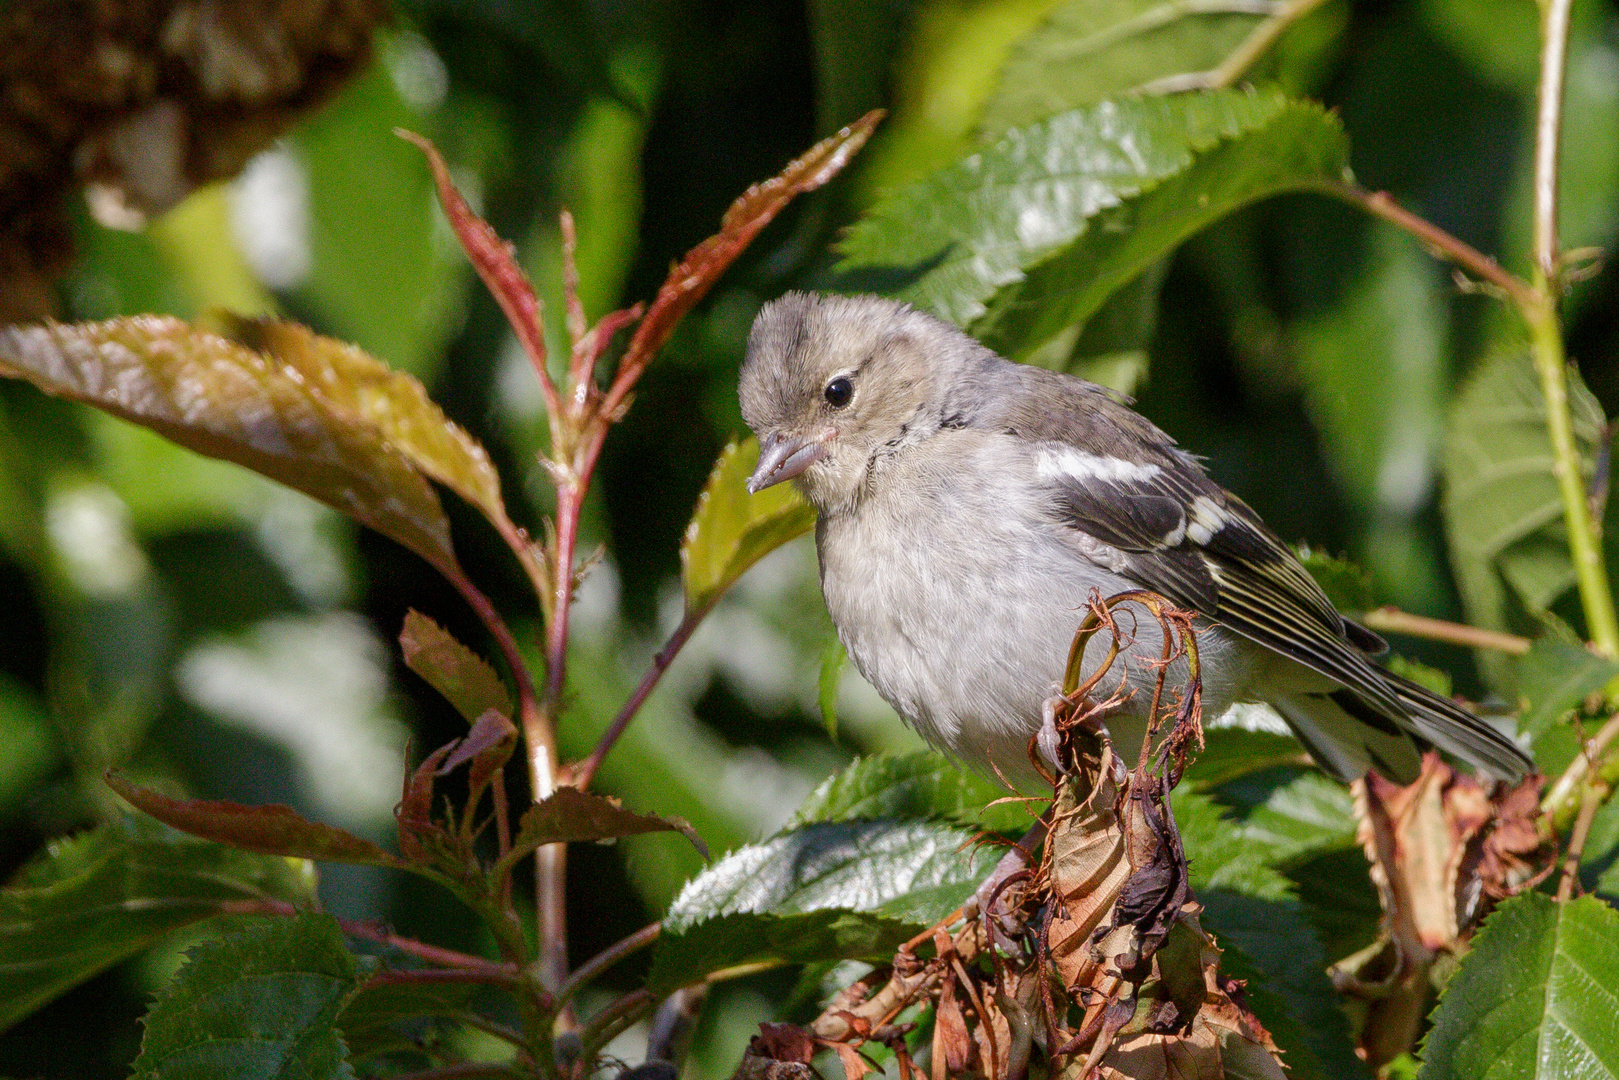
(225, 400)
(689, 281)
(392, 402)
(568, 815)
(488, 746)
(495, 262)
(270, 830)
(464, 678)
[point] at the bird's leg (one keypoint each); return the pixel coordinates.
(1049, 739)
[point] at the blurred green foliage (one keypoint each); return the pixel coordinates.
(201, 629)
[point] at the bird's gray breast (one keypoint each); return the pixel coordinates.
(956, 593)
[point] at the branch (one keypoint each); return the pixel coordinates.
(1548, 139)
(1436, 240)
(1391, 620)
(605, 959)
(585, 771)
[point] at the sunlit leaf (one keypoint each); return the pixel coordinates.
(393, 403)
(1503, 513)
(222, 399)
(268, 830)
(464, 678)
(1031, 235)
(1555, 676)
(262, 1003)
(911, 787)
(833, 660)
(1088, 50)
(732, 529)
(1536, 996)
(569, 815)
(827, 891)
(102, 897)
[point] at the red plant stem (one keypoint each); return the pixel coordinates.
(433, 954)
(442, 975)
(609, 956)
(1469, 258)
(584, 772)
(538, 732)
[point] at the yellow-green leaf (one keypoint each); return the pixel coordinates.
(394, 403)
(464, 678)
(225, 400)
(733, 529)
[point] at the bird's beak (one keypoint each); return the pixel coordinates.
(782, 457)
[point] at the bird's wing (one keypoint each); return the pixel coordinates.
(1178, 533)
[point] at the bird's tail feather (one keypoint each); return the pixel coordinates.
(1343, 743)
(1457, 731)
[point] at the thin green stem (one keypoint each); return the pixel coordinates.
(1554, 23)
(1584, 540)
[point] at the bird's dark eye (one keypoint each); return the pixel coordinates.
(838, 392)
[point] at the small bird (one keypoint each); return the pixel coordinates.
(968, 508)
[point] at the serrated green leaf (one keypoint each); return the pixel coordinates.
(464, 678)
(380, 1017)
(732, 529)
(262, 1003)
(1272, 945)
(268, 830)
(1031, 235)
(1554, 677)
(909, 787)
(106, 895)
(833, 659)
(826, 891)
(1537, 996)
(1232, 752)
(219, 398)
(1503, 513)
(1088, 50)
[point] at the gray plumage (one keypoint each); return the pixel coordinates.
(968, 506)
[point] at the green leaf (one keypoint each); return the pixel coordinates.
(1503, 513)
(268, 830)
(833, 659)
(216, 397)
(569, 815)
(1088, 50)
(106, 895)
(1374, 369)
(263, 1003)
(913, 787)
(733, 529)
(1031, 235)
(1537, 996)
(1554, 677)
(380, 1017)
(1229, 753)
(1271, 945)
(826, 891)
(380, 276)
(1346, 584)
(464, 678)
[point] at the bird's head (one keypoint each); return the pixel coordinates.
(832, 382)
